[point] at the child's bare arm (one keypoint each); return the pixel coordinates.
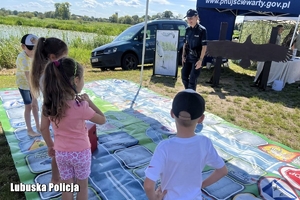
(45, 123)
(215, 176)
(149, 187)
(99, 117)
(151, 193)
(27, 76)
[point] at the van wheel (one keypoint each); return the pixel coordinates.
(103, 69)
(129, 62)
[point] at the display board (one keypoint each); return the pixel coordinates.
(166, 53)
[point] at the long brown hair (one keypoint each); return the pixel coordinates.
(59, 87)
(43, 49)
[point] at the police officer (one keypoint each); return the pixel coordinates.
(194, 50)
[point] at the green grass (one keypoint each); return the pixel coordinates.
(8, 173)
(101, 28)
(236, 34)
(78, 49)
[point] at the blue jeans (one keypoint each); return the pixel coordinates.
(26, 95)
(189, 74)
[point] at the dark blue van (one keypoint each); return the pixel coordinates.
(126, 49)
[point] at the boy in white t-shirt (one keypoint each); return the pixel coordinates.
(179, 161)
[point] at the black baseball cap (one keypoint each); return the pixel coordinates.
(191, 13)
(189, 101)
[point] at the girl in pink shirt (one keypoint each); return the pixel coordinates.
(47, 49)
(67, 112)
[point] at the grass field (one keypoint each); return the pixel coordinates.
(101, 28)
(274, 114)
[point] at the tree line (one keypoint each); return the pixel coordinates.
(62, 12)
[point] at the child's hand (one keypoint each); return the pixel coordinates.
(85, 97)
(51, 152)
(159, 193)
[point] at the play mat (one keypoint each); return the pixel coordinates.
(137, 120)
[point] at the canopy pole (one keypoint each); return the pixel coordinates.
(144, 43)
(296, 28)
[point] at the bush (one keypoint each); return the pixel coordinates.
(9, 50)
(101, 40)
(79, 49)
(19, 23)
(52, 26)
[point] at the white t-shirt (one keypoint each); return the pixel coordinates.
(179, 163)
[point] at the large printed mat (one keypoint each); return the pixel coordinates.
(137, 120)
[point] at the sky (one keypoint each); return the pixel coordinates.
(104, 8)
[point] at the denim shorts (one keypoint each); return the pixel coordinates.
(26, 95)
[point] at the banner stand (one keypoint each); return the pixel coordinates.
(166, 53)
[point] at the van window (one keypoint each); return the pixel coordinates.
(128, 33)
(181, 29)
(151, 31)
(168, 27)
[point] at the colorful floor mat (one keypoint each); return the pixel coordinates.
(137, 120)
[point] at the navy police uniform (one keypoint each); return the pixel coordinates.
(195, 38)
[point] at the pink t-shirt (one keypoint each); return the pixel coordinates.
(72, 133)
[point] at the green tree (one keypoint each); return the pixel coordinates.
(128, 20)
(26, 14)
(62, 10)
(135, 19)
(157, 16)
(74, 17)
(167, 14)
(121, 20)
(35, 13)
(179, 16)
(41, 15)
(4, 12)
(50, 14)
(143, 18)
(259, 30)
(85, 18)
(113, 18)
